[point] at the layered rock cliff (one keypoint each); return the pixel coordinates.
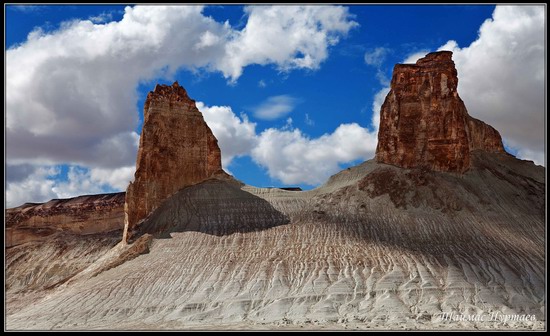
(48, 243)
(176, 149)
(424, 123)
(82, 215)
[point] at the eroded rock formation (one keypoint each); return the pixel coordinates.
(48, 243)
(82, 215)
(424, 123)
(484, 137)
(176, 149)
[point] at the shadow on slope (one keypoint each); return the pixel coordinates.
(213, 207)
(491, 218)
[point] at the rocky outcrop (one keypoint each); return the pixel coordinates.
(483, 137)
(424, 123)
(82, 215)
(49, 243)
(176, 149)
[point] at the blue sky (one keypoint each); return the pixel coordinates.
(290, 112)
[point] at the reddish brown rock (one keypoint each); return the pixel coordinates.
(484, 137)
(424, 123)
(176, 149)
(82, 215)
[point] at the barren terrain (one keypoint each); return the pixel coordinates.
(376, 247)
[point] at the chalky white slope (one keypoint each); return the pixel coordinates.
(375, 247)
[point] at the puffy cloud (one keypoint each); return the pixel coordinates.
(501, 77)
(292, 157)
(71, 93)
(275, 107)
(117, 178)
(236, 136)
(78, 182)
(288, 154)
(291, 37)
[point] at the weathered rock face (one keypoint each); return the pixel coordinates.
(82, 215)
(424, 123)
(48, 243)
(484, 137)
(176, 149)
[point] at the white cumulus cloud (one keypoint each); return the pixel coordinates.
(292, 157)
(36, 186)
(291, 37)
(236, 136)
(117, 178)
